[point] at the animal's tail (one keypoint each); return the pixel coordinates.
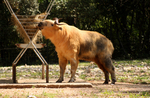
(110, 48)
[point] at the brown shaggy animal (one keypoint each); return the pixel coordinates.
(74, 44)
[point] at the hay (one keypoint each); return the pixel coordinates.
(29, 23)
(20, 29)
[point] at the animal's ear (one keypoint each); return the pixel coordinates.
(59, 27)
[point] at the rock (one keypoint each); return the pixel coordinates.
(31, 96)
(87, 70)
(25, 65)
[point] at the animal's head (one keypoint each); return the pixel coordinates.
(50, 27)
(50, 24)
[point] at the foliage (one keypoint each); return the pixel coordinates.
(7, 32)
(25, 7)
(125, 22)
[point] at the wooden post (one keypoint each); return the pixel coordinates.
(47, 73)
(14, 73)
(42, 71)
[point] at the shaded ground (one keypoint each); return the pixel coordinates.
(98, 90)
(41, 83)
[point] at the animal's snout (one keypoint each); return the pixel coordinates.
(40, 25)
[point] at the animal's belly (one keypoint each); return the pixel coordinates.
(89, 56)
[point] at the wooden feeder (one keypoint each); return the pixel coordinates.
(27, 27)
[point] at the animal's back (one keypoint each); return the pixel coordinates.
(89, 44)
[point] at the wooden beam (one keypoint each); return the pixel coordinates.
(42, 71)
(47, 73)
(14, 73)
(30, 46)
(48, 85)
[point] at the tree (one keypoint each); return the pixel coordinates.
(125, 22)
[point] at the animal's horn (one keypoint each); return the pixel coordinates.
(57, 21)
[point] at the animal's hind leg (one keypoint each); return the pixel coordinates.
(106, 77)
(62, 65)
(104, 70)
(110, 68)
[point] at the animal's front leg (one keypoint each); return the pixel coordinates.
(62, 65)
(74, 65)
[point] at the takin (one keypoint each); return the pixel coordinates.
(73, 44)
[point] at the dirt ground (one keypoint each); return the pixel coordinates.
(132, 76)
(120, 90)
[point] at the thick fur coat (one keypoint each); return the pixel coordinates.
(74, 44)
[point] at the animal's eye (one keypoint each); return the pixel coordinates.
(51, 24)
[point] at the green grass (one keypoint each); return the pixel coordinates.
(6, 96)
(137, 74)
(139, 63)
(83, 76)
(145, 93)
(106, 92)
(50, 95)
(128, 75)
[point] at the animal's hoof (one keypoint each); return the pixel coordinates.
(113, 81)
(58, 81)
(72, 80)
(106, 82)
(112, 84)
